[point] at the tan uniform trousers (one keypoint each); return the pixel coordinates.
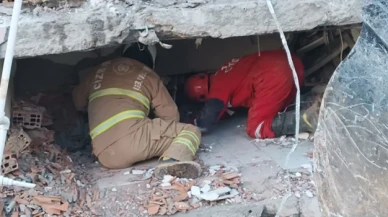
(156, 138)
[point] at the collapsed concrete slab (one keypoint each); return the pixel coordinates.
(99, 23)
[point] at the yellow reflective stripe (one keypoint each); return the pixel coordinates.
(114, 120)
(304, 116)
(118, 91)
(186, 142)
(191, 134)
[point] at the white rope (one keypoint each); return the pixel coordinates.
(297, 112)
(342, 44)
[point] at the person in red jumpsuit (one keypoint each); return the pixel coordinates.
(263, 83)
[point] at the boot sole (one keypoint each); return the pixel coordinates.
(185, 169)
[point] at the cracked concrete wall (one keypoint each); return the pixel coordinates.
(99, 23)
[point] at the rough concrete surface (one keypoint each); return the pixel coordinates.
(260, 167)
(99, 23)
(236, 210)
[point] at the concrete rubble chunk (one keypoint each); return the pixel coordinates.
(205, 188)
(138, 172)
(210, 196)
(196, 191)
(309, 194)
(97, 24)
(167, 179)
(219, 194)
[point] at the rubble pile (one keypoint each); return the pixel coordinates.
(31, 156)
(283, 141)
(173, 194)
(301, 180)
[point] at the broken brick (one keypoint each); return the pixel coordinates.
(17, 141)
(182, 206)
(153, 209)
(162, 210)
(19, 200)
(10, 163)
(230, 175)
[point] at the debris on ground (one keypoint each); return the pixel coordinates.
(283, 141)
(66, 188)
(301, 180)
(31, 156)
(174, 194)
(205, 148)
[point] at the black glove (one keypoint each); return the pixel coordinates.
(208, 115)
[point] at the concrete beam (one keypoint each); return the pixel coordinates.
(99, 23)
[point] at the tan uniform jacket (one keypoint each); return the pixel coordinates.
(117, 96)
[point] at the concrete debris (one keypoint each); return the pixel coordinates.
(304, 136)
(32, 157)
(309, 194)
(165, 184)
(218, 194)
(205, 188)
(148, 174)
(150, 38)
(300, 181)
(138, 172)
(210, 196)
(281, 141)
(167, 179)
(309, 167)
(174, 194)
(195, 191)
(204, 148)
(198, 42)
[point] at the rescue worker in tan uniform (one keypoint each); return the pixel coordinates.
(119, 95)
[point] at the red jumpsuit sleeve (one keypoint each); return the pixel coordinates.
(219, 90)
(227, 79)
